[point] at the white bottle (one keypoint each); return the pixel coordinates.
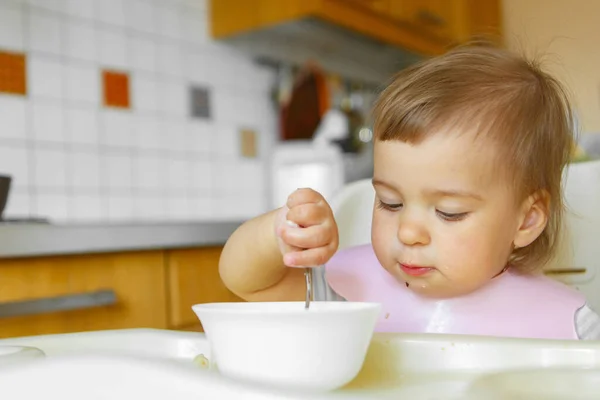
(316, 164)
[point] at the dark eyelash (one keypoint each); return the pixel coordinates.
(452, 217)
(390, 207)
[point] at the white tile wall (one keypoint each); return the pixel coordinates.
(55, 204)
(142, 53)
(140, 15)
(44, 32)
(82, 83)
(45, 76)
(113, 47)
(85, 167)
(81, 125)
(110, 11)
(11, 27)
(50, 168)
(72, 159)
(48, 122)
(18, 204)
(13, 114)
(80, 8)
(13, 161)
(80, 41)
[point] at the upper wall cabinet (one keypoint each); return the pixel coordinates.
(364, 37)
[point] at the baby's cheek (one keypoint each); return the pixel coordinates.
(461, 254)
(463, 246)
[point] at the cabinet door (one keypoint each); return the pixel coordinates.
(49, 295)
(377, 6)
(193, 277)
(443, 19)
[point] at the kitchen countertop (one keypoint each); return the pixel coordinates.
(40, 239)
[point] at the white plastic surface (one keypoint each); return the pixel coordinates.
(582, 195)
(10, 355)
(154, 364)
(284, 344)
(547, 384)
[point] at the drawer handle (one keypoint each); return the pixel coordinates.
(68, 302)
(566, 271)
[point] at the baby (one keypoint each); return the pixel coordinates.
(469, 150)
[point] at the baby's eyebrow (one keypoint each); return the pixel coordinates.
(453, 193)
(435, 192)
(379, 182)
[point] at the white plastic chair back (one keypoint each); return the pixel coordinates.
(353, 209)
(582, 197)
(581, 249)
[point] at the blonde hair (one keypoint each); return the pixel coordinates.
(502, 97)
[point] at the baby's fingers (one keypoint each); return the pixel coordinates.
(308, 258)
(307, 238)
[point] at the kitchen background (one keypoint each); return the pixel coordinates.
(146, 131)
(73, 157)
(190, 127)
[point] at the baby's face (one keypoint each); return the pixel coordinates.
(444, 219)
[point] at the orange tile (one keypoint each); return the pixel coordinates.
(116, 89)
(12, 73)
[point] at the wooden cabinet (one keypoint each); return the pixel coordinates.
(193, 277)
(426, 27)
(76, 293)
(376, 6)
(442, 19)
(82, 293)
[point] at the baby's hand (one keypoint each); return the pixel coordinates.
(306, 230)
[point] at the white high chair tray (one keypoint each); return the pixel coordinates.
(149, 364)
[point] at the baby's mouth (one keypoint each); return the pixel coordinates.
(415, 270)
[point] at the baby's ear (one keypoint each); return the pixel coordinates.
(535, 211)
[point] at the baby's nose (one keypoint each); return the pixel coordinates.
(411, 233)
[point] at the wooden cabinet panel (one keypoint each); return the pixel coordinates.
(427, 27)
(193, 277)
(444, 19)
(229, 17)
(136, 279)
(377, 6)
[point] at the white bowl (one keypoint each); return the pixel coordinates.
(282, 344)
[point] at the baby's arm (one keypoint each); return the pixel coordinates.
(251, 265)
(252, 262)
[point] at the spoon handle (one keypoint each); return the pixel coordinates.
(308, 276)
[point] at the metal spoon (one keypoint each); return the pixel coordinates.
(308, 276)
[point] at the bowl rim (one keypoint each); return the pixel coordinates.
(290, 307)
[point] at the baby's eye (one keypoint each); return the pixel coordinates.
(389, 207)
(451, 216)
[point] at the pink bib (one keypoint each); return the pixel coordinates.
(511, 305)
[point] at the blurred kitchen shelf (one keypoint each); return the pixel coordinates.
(361, 39)
(41, 239)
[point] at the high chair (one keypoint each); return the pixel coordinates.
(353, 208)
(578, 263)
